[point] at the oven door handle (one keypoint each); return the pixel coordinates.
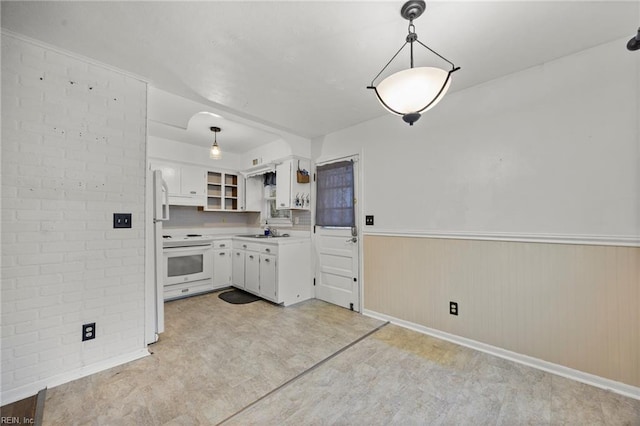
(180, 249)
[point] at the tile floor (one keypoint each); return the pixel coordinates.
(217, 361)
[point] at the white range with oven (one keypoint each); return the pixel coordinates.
(188, 265)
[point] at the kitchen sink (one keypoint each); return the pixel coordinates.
(263, 236)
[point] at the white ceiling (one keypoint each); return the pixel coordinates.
(303, 66)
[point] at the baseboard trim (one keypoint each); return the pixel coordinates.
(557, 369)
(13, 395)
(597, 240)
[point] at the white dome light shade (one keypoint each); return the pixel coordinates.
(413, 90)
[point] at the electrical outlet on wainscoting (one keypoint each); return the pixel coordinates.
(453, 308)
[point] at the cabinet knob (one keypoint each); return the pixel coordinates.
(184, 290)
(222, 254)
(223, 245)
(267, 260)
(267, 250)
(192, 192)
(244, 246)
(251, 256)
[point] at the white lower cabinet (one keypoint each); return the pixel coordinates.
(252, 272)
(221, 263)
(268, 285)
(237, 265)
(279, 273)
(221, 268)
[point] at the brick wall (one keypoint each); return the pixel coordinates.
(73, 153)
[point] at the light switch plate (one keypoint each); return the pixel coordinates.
(122, 220)
(368, 220)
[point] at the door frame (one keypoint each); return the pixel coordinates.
(359, 212)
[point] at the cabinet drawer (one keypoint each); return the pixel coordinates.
(246, 245)
(269, 249)
(222, 244)
(187, 289)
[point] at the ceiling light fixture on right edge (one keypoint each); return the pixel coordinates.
(634, 43)
(411, 92)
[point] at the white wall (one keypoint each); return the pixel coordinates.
(552, 150)
(73, 153)
(266, 153)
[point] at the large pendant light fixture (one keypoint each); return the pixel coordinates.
(411, 92)
(634, 43)
(215, 153)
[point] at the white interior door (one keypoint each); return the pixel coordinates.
(338, 258)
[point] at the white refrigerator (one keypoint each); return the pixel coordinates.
(157, 207)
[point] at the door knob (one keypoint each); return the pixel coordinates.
(352, 240)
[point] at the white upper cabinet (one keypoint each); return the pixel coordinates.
(253, 191)
(293, 188)
(224, 191)
(186, 182)
(192, 181)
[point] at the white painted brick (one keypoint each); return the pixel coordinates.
(41, 170)
(62, 267)
(9, 283)
(21, 248)
(64, 205)
(22, 362)
(61, 183)
(19, 294)
(60, 309)
(9, 261)
(18, 340)
(13, 204)
(37, 325)
(59, 247)
(106, 264)
(101, 283)
(104, 244)
(86, 256)
(35, 215)
(38, 193)
(40, 259)
(40, 280)
(84, 235)
(37, 302)
(26, 236)
(85, 195)
(15, 317)
(19, 271)
(90, 275)
(67, 287)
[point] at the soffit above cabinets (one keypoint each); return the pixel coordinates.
(303, 67)
(175, 118)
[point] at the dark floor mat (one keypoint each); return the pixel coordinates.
(238, 297)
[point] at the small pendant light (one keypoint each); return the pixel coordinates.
(215, 153)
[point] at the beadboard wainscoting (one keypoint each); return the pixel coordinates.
(576, 306)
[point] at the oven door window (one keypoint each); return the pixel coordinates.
(185, 265)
